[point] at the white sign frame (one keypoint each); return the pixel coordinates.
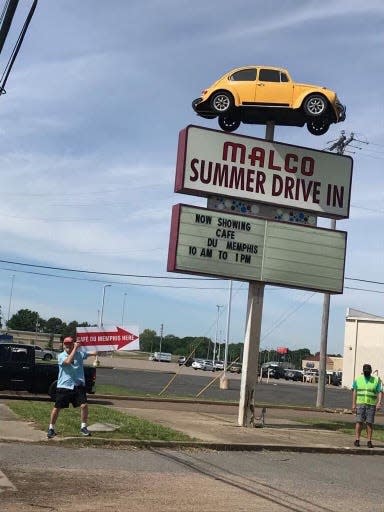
(244, 248)
(212, 162)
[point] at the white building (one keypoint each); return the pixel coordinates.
(363, 343)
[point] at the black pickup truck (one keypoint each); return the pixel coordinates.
(20, 372)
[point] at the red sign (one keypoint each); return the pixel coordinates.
(119, 338)
(282, 350)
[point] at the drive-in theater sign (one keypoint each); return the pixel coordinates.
(211, 162)
(251, 249)
(243, 247)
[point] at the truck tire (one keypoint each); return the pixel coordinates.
(47, 357)
(52, 390)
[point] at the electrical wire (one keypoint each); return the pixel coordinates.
(144, 276)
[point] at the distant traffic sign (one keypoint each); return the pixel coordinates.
(104, 339)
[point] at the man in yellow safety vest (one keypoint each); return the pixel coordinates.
(366, 399)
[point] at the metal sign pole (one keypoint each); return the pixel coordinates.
(320, 398)
(252, 338)
(251, 353)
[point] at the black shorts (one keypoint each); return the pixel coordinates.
(76, 397)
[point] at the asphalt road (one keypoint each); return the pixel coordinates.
(277, 392)
(41, 478)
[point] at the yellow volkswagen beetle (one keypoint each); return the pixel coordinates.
(258, 94)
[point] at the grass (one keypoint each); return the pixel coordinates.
(108, 389)
(68, 424)
(343, 426)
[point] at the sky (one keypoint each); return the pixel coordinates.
(88, 141)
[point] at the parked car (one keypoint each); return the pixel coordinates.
(165, 357)
(257, 94)
(184, 361)
(272, 371)
(295, 375)
(336, 378)
(43, 353)
(219, 365)
(234, 367)
(197, 364)
(311, 376)
(207, 366)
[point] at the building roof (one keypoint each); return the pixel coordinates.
(317, 358)
(355, 313)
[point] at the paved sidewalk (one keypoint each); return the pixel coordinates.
(285, 428)
(215, 426)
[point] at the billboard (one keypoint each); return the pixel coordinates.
(212, 162)
(215, 243)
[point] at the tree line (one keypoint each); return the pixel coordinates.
(195, 347)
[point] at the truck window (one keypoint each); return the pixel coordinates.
(4, 353)
(19, 355)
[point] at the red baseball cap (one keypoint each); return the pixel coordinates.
(68, 340)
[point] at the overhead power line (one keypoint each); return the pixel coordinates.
(340, 145)
(106, 273)
(146, 276)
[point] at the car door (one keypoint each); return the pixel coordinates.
(273, 88)
(243, 84)
(5, 352)
(20, 368)
(38, 352)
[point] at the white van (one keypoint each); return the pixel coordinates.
(162, 356)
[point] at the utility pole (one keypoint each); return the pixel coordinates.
(216, 335)
(339, 146)
(161, 339)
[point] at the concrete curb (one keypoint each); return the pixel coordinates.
(202, 445)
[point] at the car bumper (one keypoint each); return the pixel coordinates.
(202, 108)
(341, 112)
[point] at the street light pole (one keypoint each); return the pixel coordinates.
(161, 339)
(217, 331)
(123, 311)
(10, 300)
(228, 328)
(102, 305)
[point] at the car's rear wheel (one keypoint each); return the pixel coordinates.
(47, 357)
(228, 124)
(318, 126)
(222, 102)
(315, 105)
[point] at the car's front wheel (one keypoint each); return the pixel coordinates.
(228, 124)
(222, 102)
(315, 105)
(47, 357)
(318, 127)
